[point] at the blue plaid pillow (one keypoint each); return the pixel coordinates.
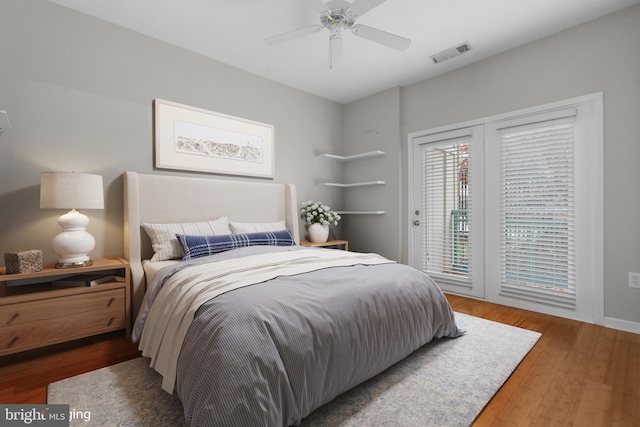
(199, 246)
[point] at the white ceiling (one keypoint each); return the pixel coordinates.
(232, 32)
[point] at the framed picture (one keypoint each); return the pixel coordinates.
(193, 139)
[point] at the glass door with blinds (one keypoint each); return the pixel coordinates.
(537, 211)
(447, 224)
(542, 221)
(509, 208)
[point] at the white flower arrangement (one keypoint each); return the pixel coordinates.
(316, 212)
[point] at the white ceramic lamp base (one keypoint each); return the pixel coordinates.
(73, 244)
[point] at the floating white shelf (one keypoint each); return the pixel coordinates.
(356, 184)
(360, 212)
(368, 155)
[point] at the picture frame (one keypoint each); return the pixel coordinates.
(194, 139)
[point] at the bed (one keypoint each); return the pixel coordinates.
(262, 334)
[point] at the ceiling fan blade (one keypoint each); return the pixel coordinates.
(318, 6)
(390, 40)
(335, 51)
(360, 7)
(290, 35)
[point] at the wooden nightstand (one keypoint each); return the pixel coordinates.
(36, 314)
(342, 244)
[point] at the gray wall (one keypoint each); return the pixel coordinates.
(79, 95)
(374, 124)
(602, 55)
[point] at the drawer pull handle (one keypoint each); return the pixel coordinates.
(14, 317)
(111, 321)
(110, 302)
(13, 341)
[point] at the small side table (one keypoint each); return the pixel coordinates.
(35, 313)
(339, 244)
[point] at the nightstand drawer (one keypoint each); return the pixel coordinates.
(39, 323)
(51, 308)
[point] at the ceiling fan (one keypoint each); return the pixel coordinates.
(336, 16)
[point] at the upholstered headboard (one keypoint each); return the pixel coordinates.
(171, 199)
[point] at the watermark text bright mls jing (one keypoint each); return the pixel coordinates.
(41, 415)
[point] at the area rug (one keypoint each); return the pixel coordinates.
(445, 383)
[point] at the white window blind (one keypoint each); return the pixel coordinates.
(537, 212)
(447, 208)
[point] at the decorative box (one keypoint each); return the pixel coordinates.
(23, 261)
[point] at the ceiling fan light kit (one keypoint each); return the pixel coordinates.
(336, 16)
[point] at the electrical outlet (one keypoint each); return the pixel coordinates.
(634, 280)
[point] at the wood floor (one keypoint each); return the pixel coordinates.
(578, 374)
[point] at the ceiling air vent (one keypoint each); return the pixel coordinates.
(450, 53)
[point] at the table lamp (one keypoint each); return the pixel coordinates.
(70, 190)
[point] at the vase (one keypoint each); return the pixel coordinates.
(318, 233)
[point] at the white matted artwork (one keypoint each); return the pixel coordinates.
(194, 139)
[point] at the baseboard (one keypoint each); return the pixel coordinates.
(609, 322)
(622, 325)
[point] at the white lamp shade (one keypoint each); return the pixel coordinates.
(70, 190)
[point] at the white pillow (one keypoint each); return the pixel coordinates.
(256, 227)
(163, 236)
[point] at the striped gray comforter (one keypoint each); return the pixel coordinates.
(271, 353)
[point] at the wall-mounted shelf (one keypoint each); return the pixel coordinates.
(4, 122)
(356, 184)
(370, 154)
(360, 212)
